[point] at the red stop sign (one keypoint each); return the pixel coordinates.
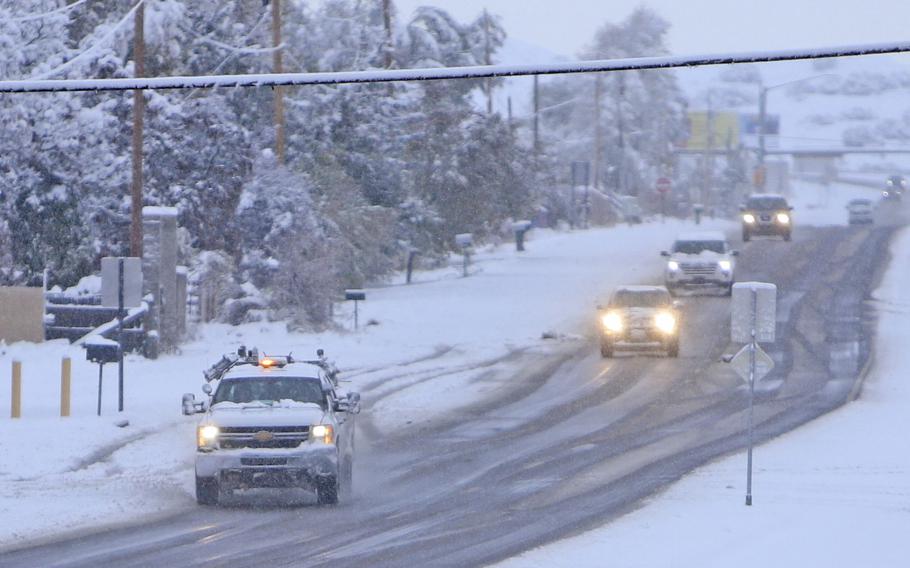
(663, 185)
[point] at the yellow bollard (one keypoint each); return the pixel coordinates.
(66, 368)
(16, 410)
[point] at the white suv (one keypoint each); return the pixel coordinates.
(699, 261)
(273, 422)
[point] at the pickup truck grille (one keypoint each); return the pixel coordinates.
(246, 437)
(698, 269)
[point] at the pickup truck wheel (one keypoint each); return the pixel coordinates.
(327, 491)
(787, 236)
(606, 349)
(729, 289)
(746, 236)
(207, 490)
(673, 348)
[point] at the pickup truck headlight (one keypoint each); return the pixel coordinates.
(324, 433)
(665, 322)
(612, 321)
(749, 218)
(206, 436)
(673, 265)
(783, 218)
(725, 265)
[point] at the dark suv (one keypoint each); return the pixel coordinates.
(766, 214)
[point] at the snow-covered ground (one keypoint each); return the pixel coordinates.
(833, 493)
(439, 344)
(432, 341)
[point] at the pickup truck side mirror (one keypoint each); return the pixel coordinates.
(350, 404)
(190, 406)
(664, 253)
(734, 253)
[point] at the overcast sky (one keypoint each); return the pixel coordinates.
(698, 26)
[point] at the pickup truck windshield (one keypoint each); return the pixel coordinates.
(268, 389)
(697, 247)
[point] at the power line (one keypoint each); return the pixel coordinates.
(443, 73)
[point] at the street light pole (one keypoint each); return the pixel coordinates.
(762, 113)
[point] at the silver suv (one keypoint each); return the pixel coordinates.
(273, 422)
(700, 261)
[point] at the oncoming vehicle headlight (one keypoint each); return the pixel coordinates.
(673, 265)
(206, 436)
(783, 218)
(665, 322)
(322, 433)
(612, 321)
(725, 265)
(749, 218)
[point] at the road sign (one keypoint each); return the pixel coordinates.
(763, 363)
(110, 281)
(754, 303)
(663, 185)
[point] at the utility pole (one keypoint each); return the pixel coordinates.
(762, 113)
(387, 22)
(536, 115)
(487, 59)
(620, 167)
(709, 155)
(598, 129)
(277, 68)
(138, 117)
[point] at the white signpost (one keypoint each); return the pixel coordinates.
(753, 320)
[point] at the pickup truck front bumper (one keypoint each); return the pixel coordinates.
(243, 469)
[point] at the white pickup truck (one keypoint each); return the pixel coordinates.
(273, 422)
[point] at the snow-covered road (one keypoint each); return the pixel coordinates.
(483, 438)
(441, 343)
(833, 493)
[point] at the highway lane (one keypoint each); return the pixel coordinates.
(576, 441)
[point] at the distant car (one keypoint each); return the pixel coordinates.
(700, 260)
(767, 214)
(639, 318)
(860, 212)
(895, 186)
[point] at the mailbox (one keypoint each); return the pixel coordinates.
(357, 295)
(106, 352)
(464, 240)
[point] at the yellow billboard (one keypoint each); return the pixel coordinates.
(717, 130)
